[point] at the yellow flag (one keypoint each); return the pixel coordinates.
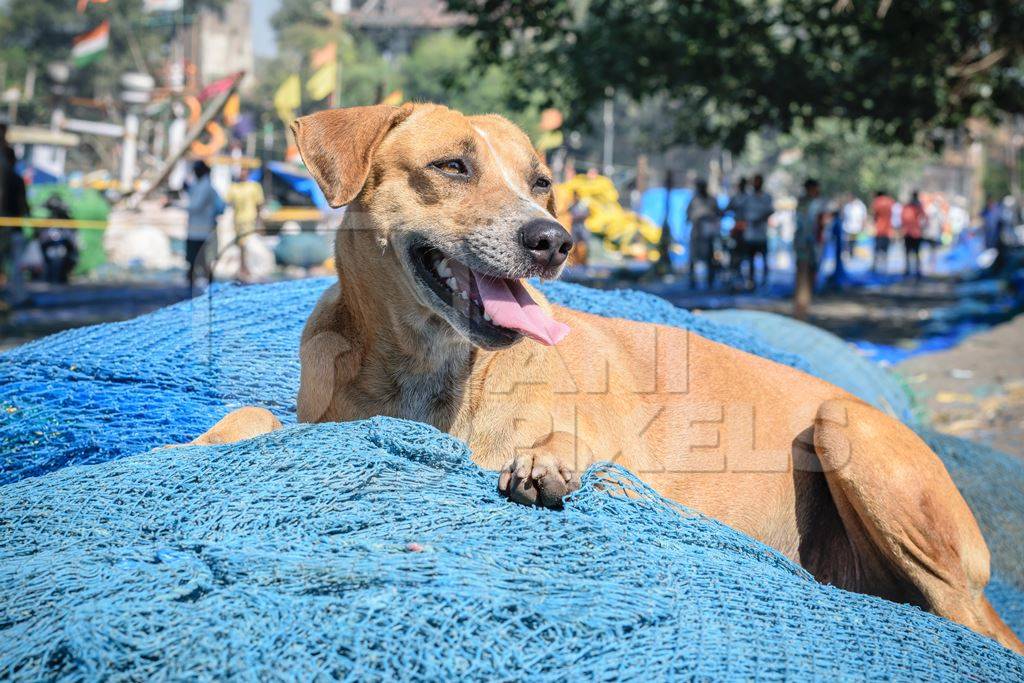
(288, 98)
(394, 99)
(322, 83)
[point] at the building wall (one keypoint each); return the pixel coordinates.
(225, 43)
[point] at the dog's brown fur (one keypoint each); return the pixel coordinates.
(851, 494)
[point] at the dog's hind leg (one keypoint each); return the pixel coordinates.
(907, 521)
(238, 425)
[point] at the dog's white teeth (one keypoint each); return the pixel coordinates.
(442, 268)
(487, 317)
(452, 283)
(464, 295)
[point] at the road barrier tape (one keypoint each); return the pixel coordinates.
(285, 213)
(16, 222)
(294, 213)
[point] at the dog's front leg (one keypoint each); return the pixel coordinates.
(543, 474)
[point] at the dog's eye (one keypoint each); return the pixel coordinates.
(451, 166)
(541, 184)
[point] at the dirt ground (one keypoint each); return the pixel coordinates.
(976, 389)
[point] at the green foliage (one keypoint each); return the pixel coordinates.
(366, 75)
(435, 71)
(996, 180)
(306, 25)
(736, 66)
(34, 32)
(842, 157)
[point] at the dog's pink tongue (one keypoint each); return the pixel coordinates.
(510, 305)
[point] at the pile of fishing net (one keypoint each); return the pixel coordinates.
(377, 550)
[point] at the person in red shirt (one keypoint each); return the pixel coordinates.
(881, 210)
(912, 219)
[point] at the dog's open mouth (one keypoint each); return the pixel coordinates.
(496, 310)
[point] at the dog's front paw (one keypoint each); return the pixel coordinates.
(533, 478)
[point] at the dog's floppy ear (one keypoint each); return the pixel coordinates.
(337, 146)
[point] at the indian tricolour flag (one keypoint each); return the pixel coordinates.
(91, 44)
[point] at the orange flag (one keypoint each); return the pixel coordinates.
(324, 55)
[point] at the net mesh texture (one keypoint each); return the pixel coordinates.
(378, 550)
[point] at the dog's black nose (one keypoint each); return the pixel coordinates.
(547, 242)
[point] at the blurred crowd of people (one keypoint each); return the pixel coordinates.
(737, 241)
(746, 244)
(821, 228)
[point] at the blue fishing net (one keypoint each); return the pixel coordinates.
(377, 550)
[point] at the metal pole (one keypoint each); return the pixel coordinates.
(337, 56)
(609, 134)
(129, 150)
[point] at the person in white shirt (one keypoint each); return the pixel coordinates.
(759, 207)
(855, 214)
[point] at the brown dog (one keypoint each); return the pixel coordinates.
(447, 214)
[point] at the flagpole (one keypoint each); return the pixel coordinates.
(336, 30)
(337, 60)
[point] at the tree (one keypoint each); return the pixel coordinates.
(435, 71)
(736, 66)
(38, 33)
(843, 158)
(302, 26)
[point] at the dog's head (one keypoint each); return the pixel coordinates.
(463, 203)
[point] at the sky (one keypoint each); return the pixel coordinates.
(262, 33)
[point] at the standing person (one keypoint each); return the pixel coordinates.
(1007, 218)
(959, 218)
(855, 213)
(703, 215)
(663, 266)
(204, 204)
(836, 237)
(3, 176)
(991, 217)
(912, 218)
(13, 204)
(738, 207)
(760, 207)
(246, 199)
(810, 225)
(6, 240)
(58, 245)
(933, 230)
(881, 211)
